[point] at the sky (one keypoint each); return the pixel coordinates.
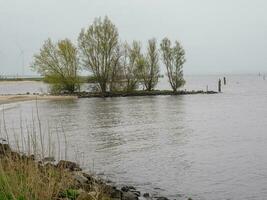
(219, 36)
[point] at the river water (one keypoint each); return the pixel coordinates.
(208, 147)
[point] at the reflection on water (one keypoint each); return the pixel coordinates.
(202, 146)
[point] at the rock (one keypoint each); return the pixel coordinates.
(115, 193)
(84, 196)
(80, 178)
(162, 198)
(137, 193)
(72, 166)
(48, 159)
(129, 196)
(146, 195)
(89, 178)
(4, 149)
(128, 188)
(49, 166)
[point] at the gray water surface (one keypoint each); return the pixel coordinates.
(201, 146)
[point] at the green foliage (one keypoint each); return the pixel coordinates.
(59, 64)
(130, 65)
(174, 59)
(149, 68)
(114, 66)
(99, 50)
(71, 194)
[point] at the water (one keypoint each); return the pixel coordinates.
(200, 146)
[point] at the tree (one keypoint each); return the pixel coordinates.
(174, 59)
(59, 64)
(99, 50)
(130, 67)
(150, 71)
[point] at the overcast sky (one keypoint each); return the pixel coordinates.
(219, 36)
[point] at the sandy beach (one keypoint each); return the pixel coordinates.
(4, 99)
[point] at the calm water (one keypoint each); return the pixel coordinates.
(201, 146)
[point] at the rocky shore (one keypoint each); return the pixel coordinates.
(84, 186)
(142, 93)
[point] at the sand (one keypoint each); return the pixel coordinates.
(4, 99)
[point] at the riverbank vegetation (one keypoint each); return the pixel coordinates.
(114, 65)
(31, 166)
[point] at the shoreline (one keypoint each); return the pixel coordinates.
(12, 98)
(141, 93)
(85, 185)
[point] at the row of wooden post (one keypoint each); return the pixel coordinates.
(220, 84)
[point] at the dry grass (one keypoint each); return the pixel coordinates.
(23, 172)
(27, 171)
(24, 179)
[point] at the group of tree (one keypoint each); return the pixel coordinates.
(115, 65)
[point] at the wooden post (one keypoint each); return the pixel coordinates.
(224, 80)
(219, 85)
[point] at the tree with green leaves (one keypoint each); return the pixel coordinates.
(99, 50)
(149, 72)
(59, 64)
(130, 67)
(174, 59)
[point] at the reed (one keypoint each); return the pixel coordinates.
(24, 171)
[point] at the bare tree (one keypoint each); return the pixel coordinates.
(98, 46)
(59, 64)
(173, 58)
(150, 71)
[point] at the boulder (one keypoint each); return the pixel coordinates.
(162, 198)
(80, 178)
(4, 149)
(72, 166)
(146, 195)
(128, 188)
(115, 193)
(84, 196)
(129, 196)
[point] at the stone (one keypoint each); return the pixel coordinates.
(146, 195)
(4, 149)
(162, 198)
(128, 188)
(129, 196)
(80, 178)
(115, 193)
(84, 196)
(72, 166)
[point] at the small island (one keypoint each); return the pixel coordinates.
(116, 69)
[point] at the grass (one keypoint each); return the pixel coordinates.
(24, 175)
(25, 179)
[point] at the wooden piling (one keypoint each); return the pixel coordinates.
(219, 85)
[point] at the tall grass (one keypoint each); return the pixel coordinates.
(25, 173)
